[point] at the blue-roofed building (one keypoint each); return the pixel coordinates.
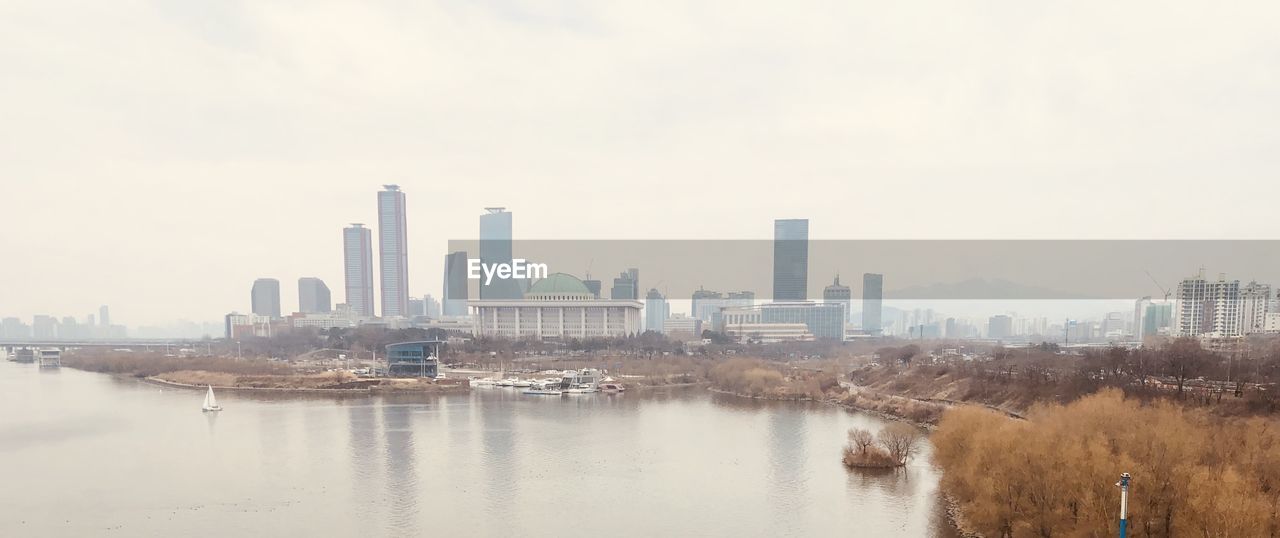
(414, 359)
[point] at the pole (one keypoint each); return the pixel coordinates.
(1124, 503)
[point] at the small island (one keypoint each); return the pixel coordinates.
(891, 448)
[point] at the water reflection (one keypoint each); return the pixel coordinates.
(788, 458)
(401, 478)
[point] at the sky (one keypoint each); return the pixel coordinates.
(157, 156)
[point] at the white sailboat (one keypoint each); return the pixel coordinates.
(210, 402)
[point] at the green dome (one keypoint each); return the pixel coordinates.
(558, 283)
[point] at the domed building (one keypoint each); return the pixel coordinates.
(559, 306)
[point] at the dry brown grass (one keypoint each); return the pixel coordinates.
(1194, 474)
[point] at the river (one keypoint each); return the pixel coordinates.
(87, 454)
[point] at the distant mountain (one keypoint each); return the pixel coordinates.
(980, 288)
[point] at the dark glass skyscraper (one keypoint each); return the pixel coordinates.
(266, 297)
(627, 285)
(790, 259)
(455, 284)
(357, 261)
(872, 296)
(393, 252)
(313, 296)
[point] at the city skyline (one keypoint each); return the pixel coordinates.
(910, 134)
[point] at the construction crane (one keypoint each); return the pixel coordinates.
(1167, 293)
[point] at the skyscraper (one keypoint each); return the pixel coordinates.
(1255, 304)
(872, 297)
(655, 311)
(790, 259)
(104, 316)
(627, 285)
(313, 296)
(839, 294)
(495, 248)
(357, 257)
(455, 284)
(393, 252)
(266, 297)
(431, 307)
(1207, 308)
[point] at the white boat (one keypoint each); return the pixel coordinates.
(582, 381)
(543, 389)
(522, 383)
(612, 387)
(210, 401)
(486, 383)
(508, 382)
(582, 389)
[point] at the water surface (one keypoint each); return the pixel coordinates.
(85, 454)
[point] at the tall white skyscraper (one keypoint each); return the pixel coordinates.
(357, 261)
(393, 252)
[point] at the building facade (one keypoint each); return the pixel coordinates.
(313, 296)
(393, 252)
(558, 307)
(837, 293)
(1255, 303)
(414, 359)
(495, 248)
(872, 303)
(1208, 308)
(265, 297)
(682, 327)
(454, 302)
(656, 311)
(626, 286)
(357, 263)
(790, 259)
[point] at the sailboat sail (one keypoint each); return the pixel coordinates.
(210, 401)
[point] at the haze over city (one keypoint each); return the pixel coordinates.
(161, 176)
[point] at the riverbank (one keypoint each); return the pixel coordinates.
(251, 375)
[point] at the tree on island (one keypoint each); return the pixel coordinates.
(892, 447)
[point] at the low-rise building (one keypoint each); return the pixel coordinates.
(414, 359)
(682, 327)
(557, 307)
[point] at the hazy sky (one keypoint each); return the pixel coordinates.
(158, 156)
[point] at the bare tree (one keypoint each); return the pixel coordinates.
(901, 440)
(1185, 359)
(860, 440)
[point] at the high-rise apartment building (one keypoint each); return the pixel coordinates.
(357, 257)
(790, 259)
(1208, 308)
(393, 252)
(1255, 301)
